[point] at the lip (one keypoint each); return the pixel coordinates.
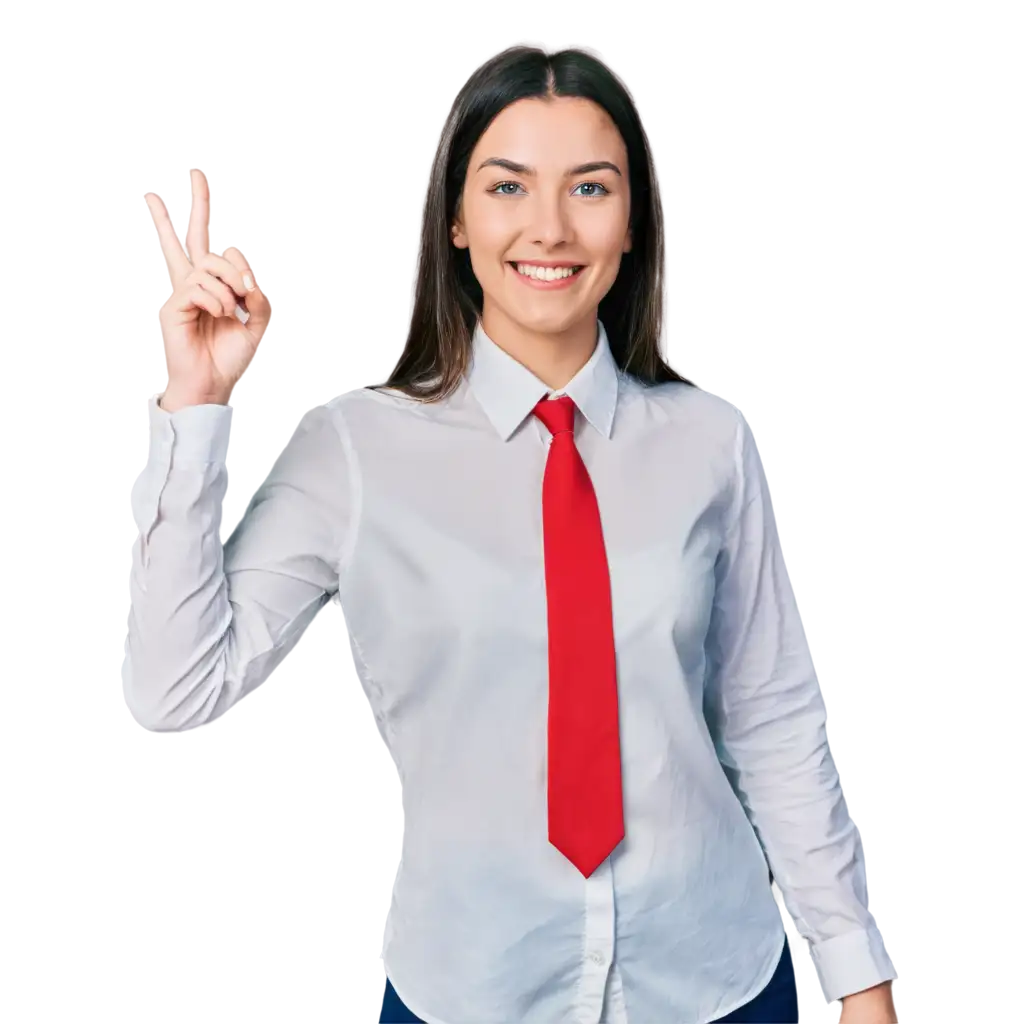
(549, 263)
(563, 282)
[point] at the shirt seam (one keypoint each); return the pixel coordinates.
(346, 545)
(737, 480)
(345, 555)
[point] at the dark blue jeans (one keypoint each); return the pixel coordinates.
(774, 1004)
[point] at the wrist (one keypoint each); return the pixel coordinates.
(173, 399)
(874, 1005)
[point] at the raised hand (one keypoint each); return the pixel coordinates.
(216, 314)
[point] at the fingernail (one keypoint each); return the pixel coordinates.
(247, 281)
(241, 314)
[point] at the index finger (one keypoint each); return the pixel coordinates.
(197, 239)
(178, 264)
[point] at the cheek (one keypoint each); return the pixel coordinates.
(485, 257)
(603, 236)
(488, 228)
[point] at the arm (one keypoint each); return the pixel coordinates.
(766, 716)
(208, 624)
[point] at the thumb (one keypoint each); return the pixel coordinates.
(254, 301)
(259, 304)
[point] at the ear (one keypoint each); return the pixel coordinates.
(458, 234)
(628, 244)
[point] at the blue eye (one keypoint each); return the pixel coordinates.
(592, 184)
(501, 184)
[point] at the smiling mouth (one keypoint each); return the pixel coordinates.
(546, 273)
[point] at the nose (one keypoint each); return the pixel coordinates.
(551, 224)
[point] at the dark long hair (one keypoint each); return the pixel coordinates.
(449, 299)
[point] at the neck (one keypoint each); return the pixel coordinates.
(554, 358)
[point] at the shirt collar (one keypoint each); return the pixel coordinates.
(507, 391)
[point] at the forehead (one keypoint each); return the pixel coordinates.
(551, 132)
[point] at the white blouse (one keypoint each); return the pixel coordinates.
(424, 524)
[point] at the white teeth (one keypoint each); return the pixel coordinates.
(545, 273)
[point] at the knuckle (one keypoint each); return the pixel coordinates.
(213, 284)
(235, 264)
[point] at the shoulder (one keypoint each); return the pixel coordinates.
(692, 427)
(364, 407)
(338, 431)
(378, 403)
(688, 409)
(316, 434)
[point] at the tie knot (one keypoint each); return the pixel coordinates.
(557, 414)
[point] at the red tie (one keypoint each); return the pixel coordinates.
(585, 818)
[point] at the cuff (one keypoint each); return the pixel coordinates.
(851, 963)
(195, 433)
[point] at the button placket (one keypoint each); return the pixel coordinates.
(616, 1003)
(599, 943)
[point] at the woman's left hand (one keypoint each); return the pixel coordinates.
(872, 1006)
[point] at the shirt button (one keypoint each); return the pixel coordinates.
(597, 957)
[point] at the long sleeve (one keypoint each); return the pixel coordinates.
(767, 718)
(208, 623)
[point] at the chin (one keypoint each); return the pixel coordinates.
(549, 321)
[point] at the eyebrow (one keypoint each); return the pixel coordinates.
(515, 168)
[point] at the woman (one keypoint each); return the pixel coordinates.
(563, 586)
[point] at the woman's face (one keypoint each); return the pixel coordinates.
(547, 183)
